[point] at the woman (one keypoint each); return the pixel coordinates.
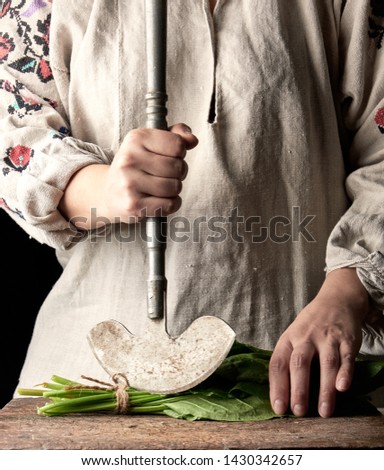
(285, 101)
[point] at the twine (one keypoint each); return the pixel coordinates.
(120, 387)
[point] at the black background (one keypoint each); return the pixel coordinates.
(28, 272)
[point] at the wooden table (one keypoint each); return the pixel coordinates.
(22, 428)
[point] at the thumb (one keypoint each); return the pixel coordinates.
(186, 133)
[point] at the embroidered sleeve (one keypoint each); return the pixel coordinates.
(37, 154)
(358, 239)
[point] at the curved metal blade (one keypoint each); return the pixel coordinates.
(158, 363)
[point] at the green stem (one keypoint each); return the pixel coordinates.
(65, 408)
(30, 392)
(78, 392)
(63, 381)
(148, 409)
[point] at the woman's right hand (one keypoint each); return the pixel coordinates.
(144, 179)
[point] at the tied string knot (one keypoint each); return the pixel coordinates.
(120, 386)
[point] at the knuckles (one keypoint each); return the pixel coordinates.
(300, 360)
(277, 365)
(136, 137)
(330, 361)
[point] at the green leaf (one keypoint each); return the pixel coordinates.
(368, 375)
(246, 389)
(196, 407)
(242, 348)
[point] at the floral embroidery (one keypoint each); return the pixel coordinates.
(60, 134)
(22, 106)
(379, 119)
(29, 56)
(25, 48)
(5, 8)
(18, 157)
(6, 46)
(43, 40)
(34, 57)
(376, 30)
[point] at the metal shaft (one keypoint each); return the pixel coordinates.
(156, 112)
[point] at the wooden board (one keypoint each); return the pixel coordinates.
(22, 428)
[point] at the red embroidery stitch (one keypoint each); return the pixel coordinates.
(379, 119)
(6, 46)
(18, 157)
(5, 8)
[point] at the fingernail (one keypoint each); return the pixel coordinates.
(279, 407)
(187, 129)
(299, 410)
(325, 410)
(342, 385)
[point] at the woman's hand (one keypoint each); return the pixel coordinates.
(328, 328)
(144, 179)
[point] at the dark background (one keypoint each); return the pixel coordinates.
(28, 271)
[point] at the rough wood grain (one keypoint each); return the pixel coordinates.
(22, 428)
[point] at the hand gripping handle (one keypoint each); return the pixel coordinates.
(156, 112)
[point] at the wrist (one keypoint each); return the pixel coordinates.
(84, 195)
(344, 285)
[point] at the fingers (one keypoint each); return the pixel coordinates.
(345, 373)
(143, 195)
(157, 152)
(336, 374)
(329, 365)
(289, 376)
(159, 165)
(133, 202)
(300, 367)
(153, 206)
(159, 142)
(279, 378)
(171, 144)
(146, 184)
(290, 373)
(145, 177)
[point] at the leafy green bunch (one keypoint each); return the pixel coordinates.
(237, 391)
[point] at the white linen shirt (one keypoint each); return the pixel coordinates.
(286, 184)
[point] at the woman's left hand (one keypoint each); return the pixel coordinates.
(328, 328)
